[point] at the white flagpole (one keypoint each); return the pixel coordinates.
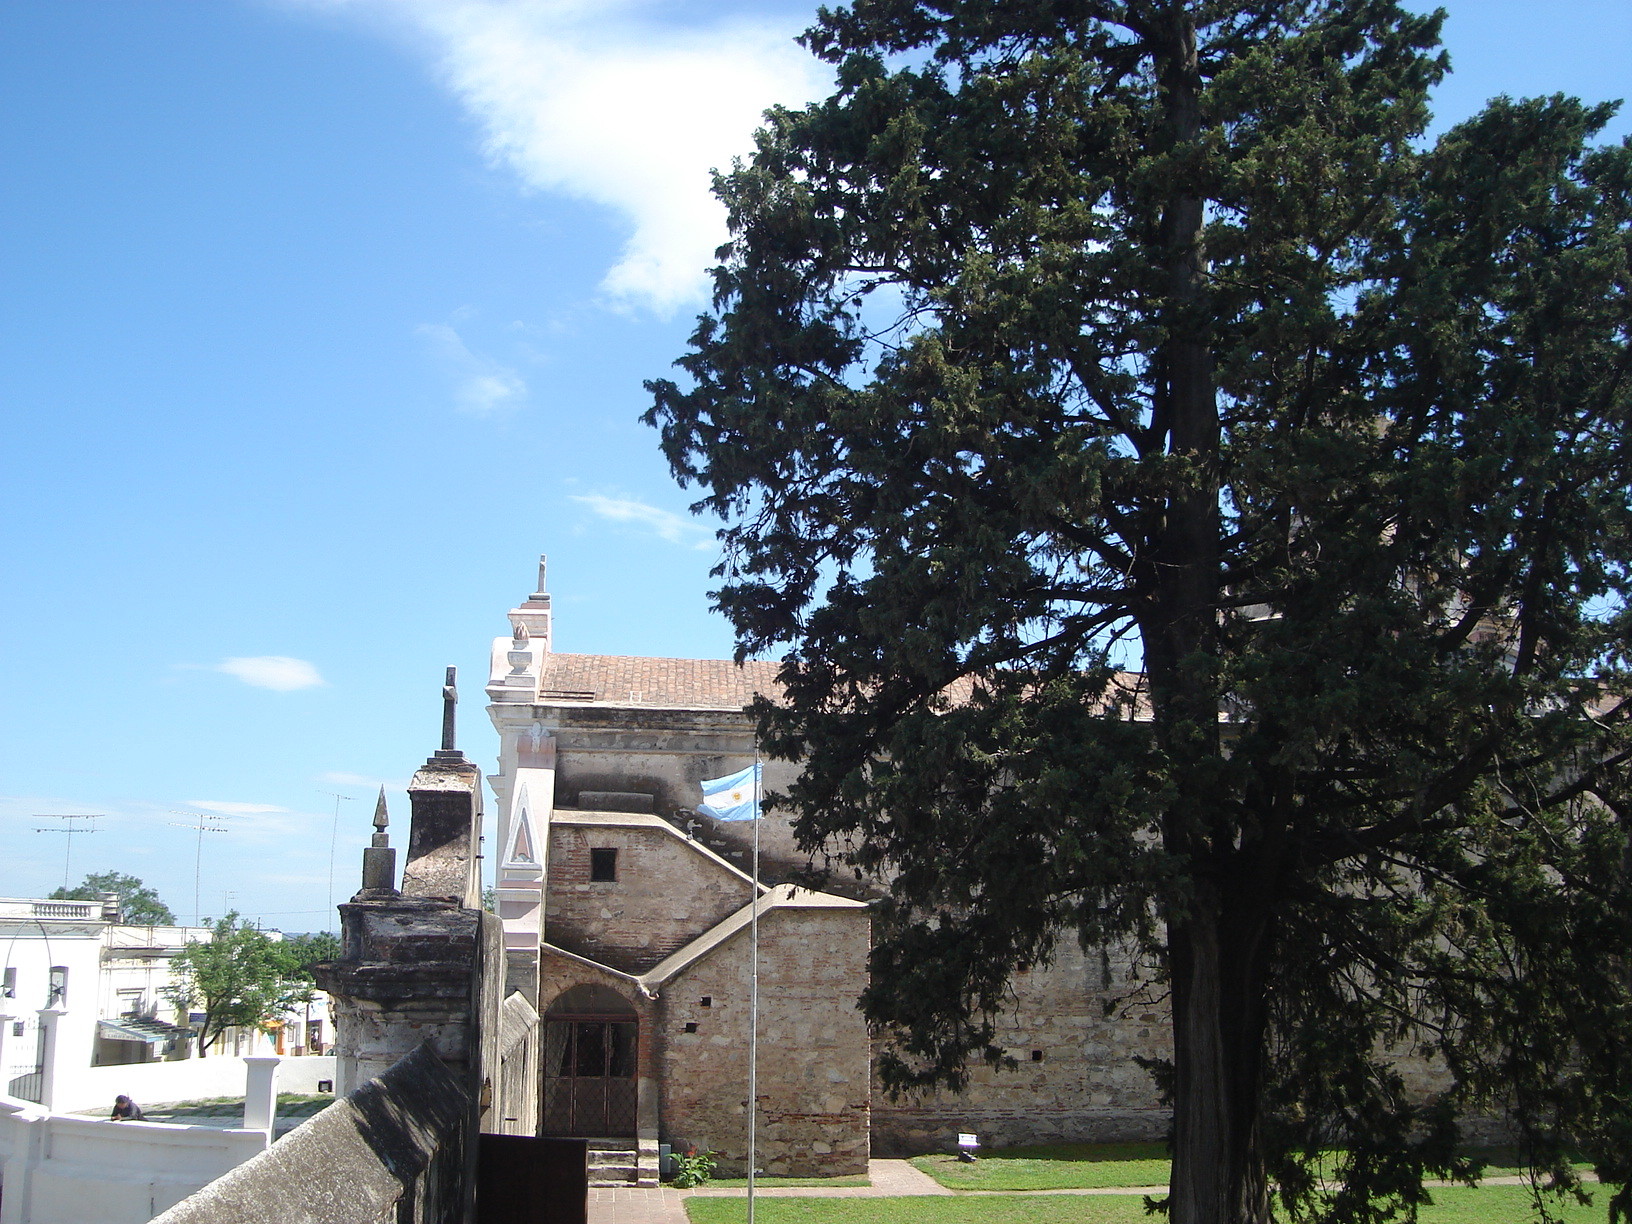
(753, 996)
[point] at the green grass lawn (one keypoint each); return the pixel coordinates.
(1504, 1205)
(1092, 1166)
(1457, 1205)
(290, 1105)
(802, 1183)
(1032, 1209)
(1505, 1161)
(1053, 1166)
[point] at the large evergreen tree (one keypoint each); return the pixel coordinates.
(1192, 508)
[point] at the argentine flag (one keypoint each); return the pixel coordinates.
(734, 797)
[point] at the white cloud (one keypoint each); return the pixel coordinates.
(675, 528)
(604, 103)
(483, 386)
(277, 672)
(340, 777)
(235, 809)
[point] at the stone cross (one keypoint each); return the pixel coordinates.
(450, 703)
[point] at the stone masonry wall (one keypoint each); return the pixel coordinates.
(666, 894)
(814, 1063)
(1086, 1086)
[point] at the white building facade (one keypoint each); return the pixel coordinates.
(80, 990)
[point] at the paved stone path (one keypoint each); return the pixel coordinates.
(889, 1177)
(636, 1205)
(661, 1205)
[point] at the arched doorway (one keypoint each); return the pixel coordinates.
(589, 1064)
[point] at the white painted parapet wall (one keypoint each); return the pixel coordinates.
(63, 1170)
(58, 1169)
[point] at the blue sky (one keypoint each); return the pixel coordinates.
(323, 318)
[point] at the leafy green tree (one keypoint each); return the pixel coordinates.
(140, 904)
(240, 978)
(1192, 510)
(300, 952)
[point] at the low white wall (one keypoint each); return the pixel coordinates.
(190, 1079)
(59, 1170)
(301, 1074)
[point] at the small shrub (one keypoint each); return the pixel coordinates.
(692, 1168)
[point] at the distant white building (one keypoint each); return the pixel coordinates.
(50, 965)
(75, 980)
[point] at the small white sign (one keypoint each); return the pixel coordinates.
(967, 1140)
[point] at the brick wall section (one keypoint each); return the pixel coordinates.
(666, 894)
(1087, 1086)
(815, 1059)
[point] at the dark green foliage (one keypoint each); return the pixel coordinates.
(1080, 334)
(140, 904)
(240, 978)
(300, 952)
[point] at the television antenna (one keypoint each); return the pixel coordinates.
(203, 822)
(334, 841)
(70, 827)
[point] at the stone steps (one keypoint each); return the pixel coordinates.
(614, 1167)
(621, 1165)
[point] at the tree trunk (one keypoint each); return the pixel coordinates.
(1217, 937)
(1218, 963)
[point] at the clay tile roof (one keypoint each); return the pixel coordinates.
(635, 681)
(719, 684)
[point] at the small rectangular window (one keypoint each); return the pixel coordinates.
(708, 1000)
(1036, 1056)
(691, 1026)
(603, 865)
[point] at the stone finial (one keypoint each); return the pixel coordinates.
(543, 562)
(520, 635)
(379, 860)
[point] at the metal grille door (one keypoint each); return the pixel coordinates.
(24, 1078)
(589, 1078)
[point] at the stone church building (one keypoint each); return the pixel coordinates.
(626, 917)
